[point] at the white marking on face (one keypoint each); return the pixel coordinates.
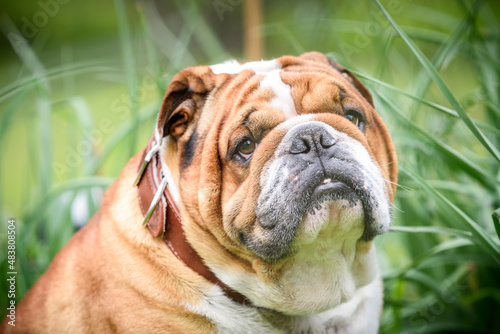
(282, 99)
(233, 67)
(373, 181)
(272, 80)
(285, 172)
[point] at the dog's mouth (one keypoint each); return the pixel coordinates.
(330, 189)
(340, 181)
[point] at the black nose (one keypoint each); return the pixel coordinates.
(309, 137)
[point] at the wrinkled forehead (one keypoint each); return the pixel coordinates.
(288, 86)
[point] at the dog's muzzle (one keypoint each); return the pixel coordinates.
(312, 165)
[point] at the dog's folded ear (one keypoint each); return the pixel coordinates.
(316, 56)
(182, 99)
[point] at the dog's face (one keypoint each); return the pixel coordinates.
(285, 174)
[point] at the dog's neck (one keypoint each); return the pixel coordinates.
(358, 315)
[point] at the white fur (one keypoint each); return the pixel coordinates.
(229, 316)
(374, 180)
(326, 272)
(282, 99)
(271, 69)
(359, 315)
(233, 67)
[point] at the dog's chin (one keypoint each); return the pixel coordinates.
(330, 256)
(330, 210)
(335, 212)
(331, 220)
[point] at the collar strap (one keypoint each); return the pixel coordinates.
(163, 218)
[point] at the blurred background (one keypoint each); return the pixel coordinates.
(81, 83)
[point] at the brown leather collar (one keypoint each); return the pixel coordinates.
(163, 218)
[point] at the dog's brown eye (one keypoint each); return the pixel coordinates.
(246, 148)
(356, 118)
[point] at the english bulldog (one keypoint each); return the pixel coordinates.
(253, 209)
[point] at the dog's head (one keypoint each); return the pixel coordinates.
(285, 174)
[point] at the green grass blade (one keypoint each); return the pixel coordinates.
(25, 52)
(44, 111)
(431, 70)
(153, 60)
(447, 245)
(150, 111)
(185, 36)
(496, 221)
(58, 72)
(438, 107)
(165, 39)
(280, 29)
(431, 229)
(71, 185)
(472, 168)
(128, 66)
(425, 280)
(445, 54)
(482, 238)
(204, 35)
(84, 117)
(82, 111)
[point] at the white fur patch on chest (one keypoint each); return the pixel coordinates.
(231, 317)
(359, 315)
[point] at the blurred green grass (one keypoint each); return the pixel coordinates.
(81, 96)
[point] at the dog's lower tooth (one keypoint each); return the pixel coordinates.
(325, 181)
